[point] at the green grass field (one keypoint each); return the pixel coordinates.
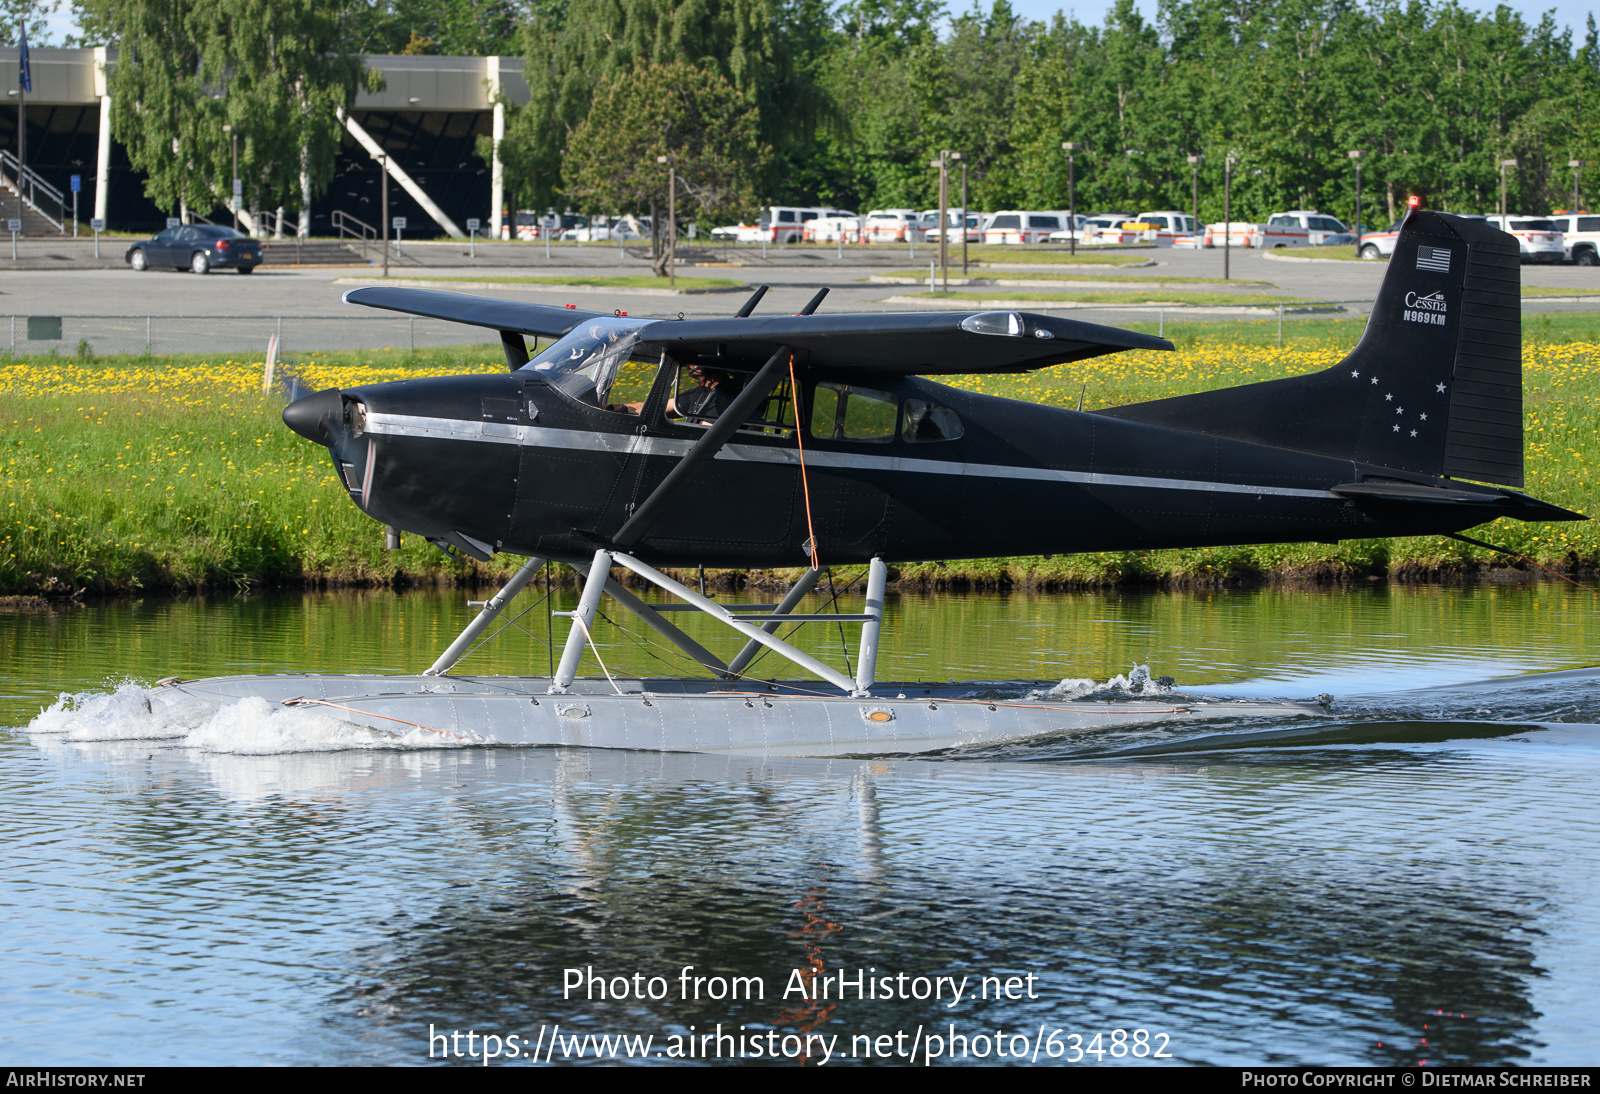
(173, 473)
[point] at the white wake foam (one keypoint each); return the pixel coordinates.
(248, 727)
(1136, 682)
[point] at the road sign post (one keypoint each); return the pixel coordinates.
(97, 225)
(399, 236)
(77, 184)
(15, 225)
(473, 224)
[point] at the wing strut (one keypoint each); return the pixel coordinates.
(721, 431)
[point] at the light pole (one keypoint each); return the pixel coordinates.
(238, 186)
(963, 159)
(383, 161)
(1355, 158)
(1227, 214)
(1071, 148)
(1503, 165)
(1194, 169)
(942, 165)
(672, 220)
(1575, 165)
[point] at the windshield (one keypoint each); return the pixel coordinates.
(584, 363)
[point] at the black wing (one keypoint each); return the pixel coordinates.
(507, 316)
(904, 344)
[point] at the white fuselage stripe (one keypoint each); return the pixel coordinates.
(537, 436)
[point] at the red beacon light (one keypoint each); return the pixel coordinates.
(1414, 201)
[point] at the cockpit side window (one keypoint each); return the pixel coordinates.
(845, 412)
(925, 422)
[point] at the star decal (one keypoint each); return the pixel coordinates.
(1355, 375)
(1397, 429)
(1440, 388)
(1422, 417)
(1374, 379)
(1413, 432)
(1399, 410)
(1389, 398)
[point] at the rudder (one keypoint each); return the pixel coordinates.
(1435, 385)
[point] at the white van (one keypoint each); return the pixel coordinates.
(891, 226)
(1166, 227)
(1580, 234)
(785, 223)
(1022, 226)
(1538, 238)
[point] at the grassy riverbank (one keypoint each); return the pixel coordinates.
(172, 473)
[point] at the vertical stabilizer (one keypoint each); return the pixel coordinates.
(1435, 385)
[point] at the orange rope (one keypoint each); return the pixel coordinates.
(805, 484)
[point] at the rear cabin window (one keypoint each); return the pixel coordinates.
(786, 216)
(1533, 226)
(844, 412)
(1051, 223)
(1002, 223)
(927, 421)
(807, 216)
(1589, 224)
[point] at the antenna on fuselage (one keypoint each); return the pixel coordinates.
(750, 305)
(815, 302)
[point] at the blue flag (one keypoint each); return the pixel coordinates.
(24, 70)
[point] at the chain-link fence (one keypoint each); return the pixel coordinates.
(246, 335)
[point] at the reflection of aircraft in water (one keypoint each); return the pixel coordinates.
(824, 440)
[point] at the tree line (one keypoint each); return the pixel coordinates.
(852, 101)
(846, 102)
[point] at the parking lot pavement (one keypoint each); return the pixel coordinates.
(293, 291)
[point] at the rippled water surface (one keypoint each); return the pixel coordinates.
(1412, 878)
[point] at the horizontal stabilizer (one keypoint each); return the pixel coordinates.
(1507, 503)
(514, 316)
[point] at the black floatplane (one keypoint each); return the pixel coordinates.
(783, 441)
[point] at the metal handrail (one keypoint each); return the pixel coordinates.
(345, 224)
(34, 184)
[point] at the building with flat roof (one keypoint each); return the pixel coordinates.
(427, 121)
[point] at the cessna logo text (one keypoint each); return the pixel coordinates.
(1425, 309)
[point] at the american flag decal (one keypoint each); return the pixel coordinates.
(1436, 259)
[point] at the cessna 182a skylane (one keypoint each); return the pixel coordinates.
(821, 439)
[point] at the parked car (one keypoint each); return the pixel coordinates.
(1072, 231)
(1580, 234)
(1320, 229)
(1023, 226)
(1376, 245)
(785, 223)
(601, 229)
(891, 226)
(1100, 228)
(1166, 227)
(530, 224)
(972, 232)
(198, 247)
(1538, 238)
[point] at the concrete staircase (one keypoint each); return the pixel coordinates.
(310, 252)
(34, 224)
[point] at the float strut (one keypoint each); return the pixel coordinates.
(867, 663)
(491, 608)
(796, 593)
(582, 622)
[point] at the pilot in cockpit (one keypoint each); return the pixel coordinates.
(705, 402)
